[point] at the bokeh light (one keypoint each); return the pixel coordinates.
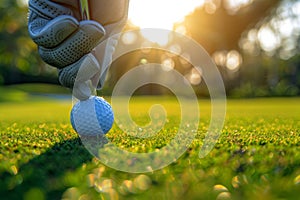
(220, 58)
(143, 61)
(268, 40)
(232, 60)
(234, 5)
(168, 64)
(276, 35)
(129, 38)
(194, 76)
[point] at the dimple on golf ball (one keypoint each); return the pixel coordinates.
(92, 116)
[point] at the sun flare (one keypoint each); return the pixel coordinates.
(163, 14)
(160, 13)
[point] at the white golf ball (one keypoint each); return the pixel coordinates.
(91, 117)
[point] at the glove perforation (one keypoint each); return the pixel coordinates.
(72, 51)
(48, 9)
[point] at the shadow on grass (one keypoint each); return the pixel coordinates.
(46, 172)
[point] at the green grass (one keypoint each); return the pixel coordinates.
(38, 88)
(256, 157)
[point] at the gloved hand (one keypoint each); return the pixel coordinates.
(66, 43)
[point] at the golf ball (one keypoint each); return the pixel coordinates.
(92, 116)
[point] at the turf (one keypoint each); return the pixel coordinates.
(256, 157)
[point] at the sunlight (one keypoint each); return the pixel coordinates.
(160, 37)
(160, 14)
(163, 14)
(129, 38)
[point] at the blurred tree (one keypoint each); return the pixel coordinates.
(228, 30)
(272, 48)
(19, 61)
(219, 26)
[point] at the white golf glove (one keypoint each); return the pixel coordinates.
(68, 44)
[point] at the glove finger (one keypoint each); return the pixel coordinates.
(80, 43)
(55, 31)
(95, 79)
(99, 79)
(43, 11)
(82, 91)
(103, 52)
(81, 71)
(78, 75)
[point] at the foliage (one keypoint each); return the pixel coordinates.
(11, 95)
(18, 53)
(216, 26)
(264, 76)
(271, 54)
(257, 156)
(222, 29)
(23, 92)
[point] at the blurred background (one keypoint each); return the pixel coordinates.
(255, 44)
